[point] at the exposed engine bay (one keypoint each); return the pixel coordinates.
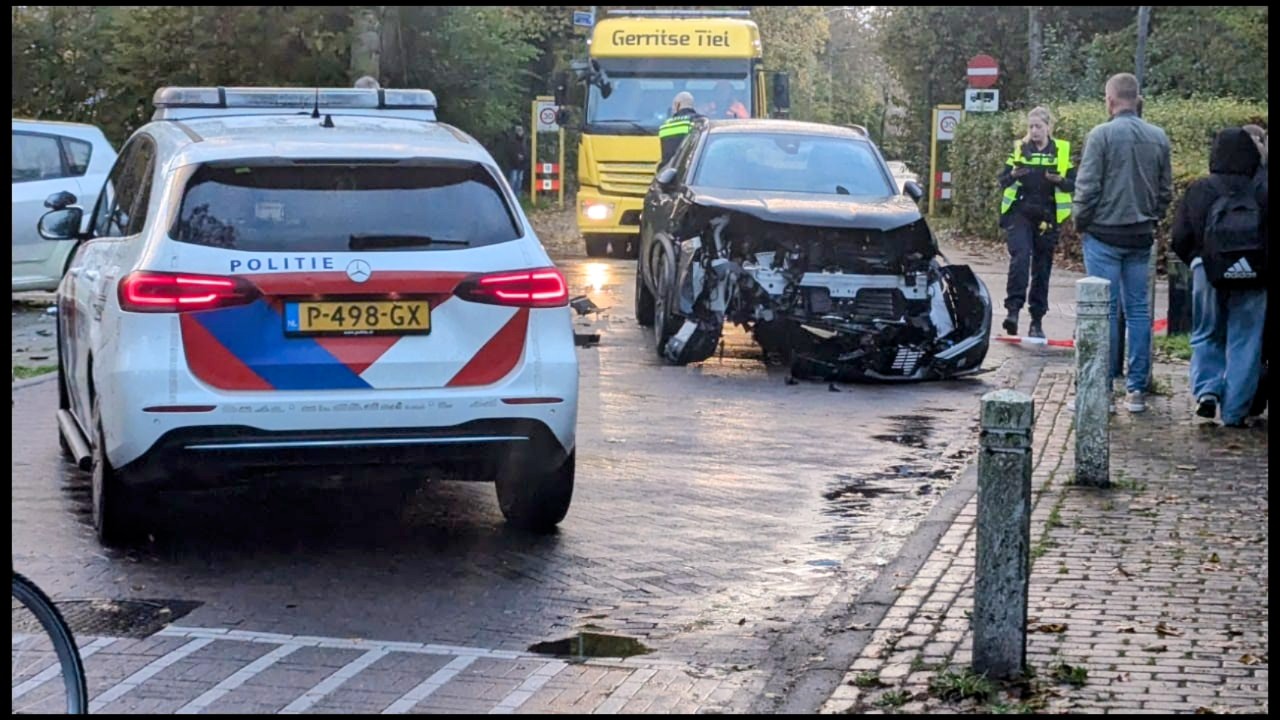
(836, 303)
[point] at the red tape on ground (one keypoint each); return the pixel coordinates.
(1157, 326)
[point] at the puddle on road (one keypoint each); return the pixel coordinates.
(911, 431)
(592, 645)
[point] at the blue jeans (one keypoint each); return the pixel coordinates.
(1126, 268)
(515, 176)
(1226, 343)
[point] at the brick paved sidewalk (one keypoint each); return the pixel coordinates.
(1156, 588)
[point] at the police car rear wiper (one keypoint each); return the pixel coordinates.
(387, 242)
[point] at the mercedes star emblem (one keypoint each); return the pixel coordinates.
(359, 271)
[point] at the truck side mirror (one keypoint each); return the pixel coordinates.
(781, 91)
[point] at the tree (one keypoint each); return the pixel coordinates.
(793, 40)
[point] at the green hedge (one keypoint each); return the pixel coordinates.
(983, 142)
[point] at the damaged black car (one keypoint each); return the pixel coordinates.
(795, 232)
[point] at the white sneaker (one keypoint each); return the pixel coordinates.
(1135, 402)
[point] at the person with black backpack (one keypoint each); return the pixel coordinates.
(1220, 232)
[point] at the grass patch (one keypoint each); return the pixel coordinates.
(1055, 517)
(1108, 505)
(867, 680)
(1076, 675)
(1174, 347)
(962, 685)
(918, 664)
(1062, 569)
(1021, 708)
(22, 372)
(893, 699)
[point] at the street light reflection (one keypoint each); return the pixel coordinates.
(597, 276)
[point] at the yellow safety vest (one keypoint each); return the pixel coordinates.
(1061, 200)
(676, 125)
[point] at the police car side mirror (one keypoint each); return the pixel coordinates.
(912, 189)
(666, 178)
(62, 224)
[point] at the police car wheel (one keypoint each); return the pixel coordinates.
(113, 518)
(597, 246)
(536, 501)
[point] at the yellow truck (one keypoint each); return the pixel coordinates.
(637, 61)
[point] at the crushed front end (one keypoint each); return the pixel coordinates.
(836, 303)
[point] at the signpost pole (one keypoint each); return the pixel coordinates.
(533, 156)
(562, 172)
(933, 160)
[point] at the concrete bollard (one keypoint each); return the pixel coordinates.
(1093, 384)
(1004, 535)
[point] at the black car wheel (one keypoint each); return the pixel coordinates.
(665, 323)
(644, 299)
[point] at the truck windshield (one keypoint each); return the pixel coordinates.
(642, 95)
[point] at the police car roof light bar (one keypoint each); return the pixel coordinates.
(174, 103)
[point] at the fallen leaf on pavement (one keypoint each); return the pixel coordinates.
(743, 621)
(1185, 467)
(859, 626)
(1248, 659)
(1127, 629)
(1052, 628)
(1214, 558)
(1231, 632)
(1121, 571)
(1202, 710)
(1167, 630)
(899, 587)
(1123, 677)
(1156, 648)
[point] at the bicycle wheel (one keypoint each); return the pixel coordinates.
(48, 676)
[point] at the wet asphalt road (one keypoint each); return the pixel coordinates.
(716, 510)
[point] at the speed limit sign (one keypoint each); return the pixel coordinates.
(547, 117)
(947, 121)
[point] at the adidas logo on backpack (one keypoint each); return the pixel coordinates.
(1240, 271)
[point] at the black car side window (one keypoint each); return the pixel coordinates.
(681, 159)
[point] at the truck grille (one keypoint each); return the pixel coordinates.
(628, 179)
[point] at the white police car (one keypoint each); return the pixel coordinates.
(290, 282)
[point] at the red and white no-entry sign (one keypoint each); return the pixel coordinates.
(983, 71)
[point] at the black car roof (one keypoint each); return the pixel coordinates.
(784, 126)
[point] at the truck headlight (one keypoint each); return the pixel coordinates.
(597, 210)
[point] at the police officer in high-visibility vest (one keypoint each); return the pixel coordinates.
(674, 130)
(1038, 180)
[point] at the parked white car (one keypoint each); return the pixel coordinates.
(50, 157)
(265, 296)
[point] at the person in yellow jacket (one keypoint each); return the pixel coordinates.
(1037, 182)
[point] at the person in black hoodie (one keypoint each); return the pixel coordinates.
(1227, 324)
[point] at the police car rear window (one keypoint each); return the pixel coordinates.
(287, 207)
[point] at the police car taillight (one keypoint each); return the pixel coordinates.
(540, 288)
(144, 291)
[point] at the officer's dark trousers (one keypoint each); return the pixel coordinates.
(1029, 251)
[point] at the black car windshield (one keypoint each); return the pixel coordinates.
(791, 162)
(278, 206)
